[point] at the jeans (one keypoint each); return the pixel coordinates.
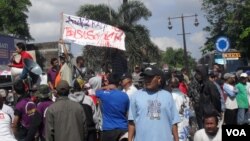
(24, 73)
(242, 116)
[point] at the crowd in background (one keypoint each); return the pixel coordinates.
(148, 104)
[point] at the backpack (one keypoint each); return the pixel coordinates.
(89, 116)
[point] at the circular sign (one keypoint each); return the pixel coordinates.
(222, 44)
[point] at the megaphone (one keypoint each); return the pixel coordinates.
(32, 66)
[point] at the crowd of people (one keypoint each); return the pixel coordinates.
(149, 104)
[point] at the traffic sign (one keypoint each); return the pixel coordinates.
(222, 44)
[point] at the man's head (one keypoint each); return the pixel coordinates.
(62, 59)
(62, 88)
(137, 69)
(114, 79)
(229, 78)
(54, 62)
(126, 80)
(19, 87)
(3, 93)
(243, 78)
(152, 78)
(80, 61)
(78, 85)
(43, 91)
(211, 122)
(20, 47)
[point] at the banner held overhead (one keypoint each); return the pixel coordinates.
(84, 31)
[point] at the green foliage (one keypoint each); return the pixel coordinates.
(139, 47)
(13, 18)
(229, 18)
(174, 58)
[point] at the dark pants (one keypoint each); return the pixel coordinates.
(230, 117)
(112, 135)
(198, 115)
(92, 136)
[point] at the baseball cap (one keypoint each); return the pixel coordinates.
(3, 92)
(151, 71)
(243, 75)
(43, 91)
(125, 76)
(62, 85)
(228, 75)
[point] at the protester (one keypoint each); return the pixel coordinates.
(152, 115)
(6, 108)
(24, 112)
(127, 84)
(20, 49)
(211, 131)
(182, 105)
(114, 107)
(44, 101)
(6, 133)
(65, 119)
(196, 87)
(65, 72)
(185, 75)
(211, 94)
(136, 78)
(242, 100)
(231, 103)
(52, 73)
(79, 70)
(78, 95)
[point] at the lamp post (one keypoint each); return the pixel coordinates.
(196, 23)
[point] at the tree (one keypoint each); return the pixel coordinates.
(228, 18)
(139, 47)
(174, 58)
(13, 18)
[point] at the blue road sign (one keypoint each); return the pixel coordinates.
(222, 44)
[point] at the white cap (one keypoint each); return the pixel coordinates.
(243, 75)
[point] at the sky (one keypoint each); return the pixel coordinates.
(44, 21)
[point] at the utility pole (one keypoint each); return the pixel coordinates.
(196, 23)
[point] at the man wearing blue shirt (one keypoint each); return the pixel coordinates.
(114, 107)
(152, 113)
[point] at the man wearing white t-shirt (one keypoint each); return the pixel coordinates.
(6, 108)
(6, 133)
(127, 84)
(211, 131)
(231, 105)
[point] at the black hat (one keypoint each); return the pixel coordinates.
(62, 85)
(126, 75)
(43, 91)
(151, 71)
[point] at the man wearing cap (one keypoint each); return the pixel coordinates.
(230, 116)
(44, 101)
(65, 119)
(127, 84)
(242, 100)
(136, 76)
(153, 115)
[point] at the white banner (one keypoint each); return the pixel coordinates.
(84, 31)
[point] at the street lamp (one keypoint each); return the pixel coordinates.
(196, 23)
